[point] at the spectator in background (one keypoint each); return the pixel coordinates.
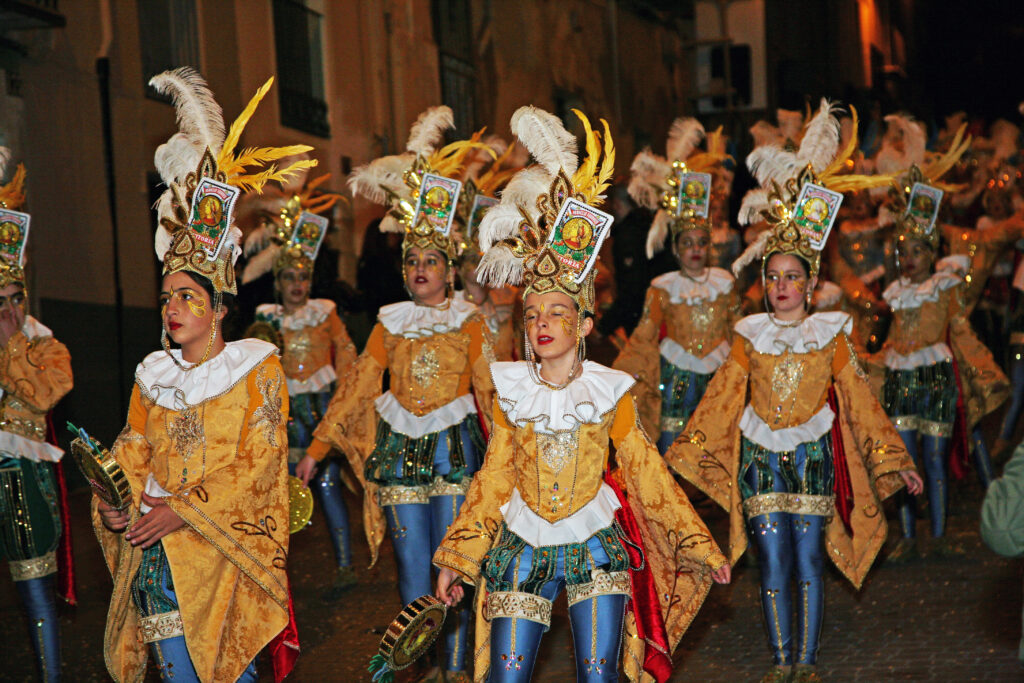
(1002, 514)
(379, 275)
(632, 272)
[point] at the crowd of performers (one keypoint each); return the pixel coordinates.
(796, 380)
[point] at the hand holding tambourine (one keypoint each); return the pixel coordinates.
(105, 476)
(408, 637)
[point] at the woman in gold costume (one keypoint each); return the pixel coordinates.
(416, 446)
(807, 458)
(696, 305)
(544, 513)
(199, 558)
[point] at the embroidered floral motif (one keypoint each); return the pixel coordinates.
(186, 432)
(556, 450)
(268, 415)
(425, 367)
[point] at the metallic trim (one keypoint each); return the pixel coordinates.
(24, 570)
(161, 626)
(793, 503)
(519, 606)
(905, 423)
(401, 495)
(601, 583)
(673, 424)
(440, 487)
(939, 429)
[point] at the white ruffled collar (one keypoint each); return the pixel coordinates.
(903, 293)
(34, 329)
(162, 381)
(312, 314)
(584, 400)
(681, 288)
(412, 321)
(813, 333)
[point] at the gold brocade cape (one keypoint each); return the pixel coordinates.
(984, 385)
(699, 327)
(427, 372)
(707, 453)
(679, 549)
(224, 460)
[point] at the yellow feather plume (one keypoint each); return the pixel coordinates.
(449, 160)
(588, 180)
(255, 182)
(496, 177)
(12, 195)
(584, 174)
(235, 132)
(940, 166)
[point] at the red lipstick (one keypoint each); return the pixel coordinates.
(544, 339)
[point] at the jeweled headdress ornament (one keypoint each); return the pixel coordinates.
(204, 177)
(801, 191)
(677, 186)
(14, 224)
(546, 231)
(295, 232)
(421, 187)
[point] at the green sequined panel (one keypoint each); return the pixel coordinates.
(813, 476)
(147, 588)
(400, 460)
(928, 392)
(29, 515)
(676, 383)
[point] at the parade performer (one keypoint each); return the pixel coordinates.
(544, 514)
(696, 305)
(316, 350)
(808, 457)
(934, 365)
(416, 446)
(35, 373)
(199, 557)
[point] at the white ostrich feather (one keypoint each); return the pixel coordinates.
(821, 139)
(772, 162)
(178, 157)
(683, 137)
(524, 188)
(658, 232)
(391, 224)
(428, 131)
(199, 116)
(545, 137)
(261, 263)
(257, 240)
(499, 267)
(233, 242)
(162, 240)
(754, 251)
(890, 158)
(500, 222)
(790, 123)
(753, 203)
(5, 160)
(647, 177)
(370, 180)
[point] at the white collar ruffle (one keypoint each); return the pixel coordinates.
(312, 314)
(162, 381)
(903, 293)
(33, 329)
(681, 288)
(813, 333)
(407, 319)
(584, 400)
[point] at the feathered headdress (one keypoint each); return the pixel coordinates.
(204, 149)
(480, 193)
(545, 232)
(669, 185)
(13, 224)
(782, 174)
(397, 180)
(276, 245)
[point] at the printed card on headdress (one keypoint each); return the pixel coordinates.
(815, 213)
(13, 236)
(695, 193)
(481, 203)
(923, 205)
(437, 201)
(577, 236)
(309, 233)
(212, 206)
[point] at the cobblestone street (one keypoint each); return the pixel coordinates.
(931, 620)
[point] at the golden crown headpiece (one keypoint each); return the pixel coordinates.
(546, 232)
(421, 187)
(14, 224)
(801, 191)
(204, 177)
(678, 186)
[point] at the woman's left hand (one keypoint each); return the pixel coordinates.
(155, 524)
(723, 574)
(913, 481)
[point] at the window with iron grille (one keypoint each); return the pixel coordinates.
(300, 67)
(453, 31)
(167, 38)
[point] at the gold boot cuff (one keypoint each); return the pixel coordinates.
(601, 583)
(793, 503)
(37, 567)
(518, 605)
(161, 626)
(402, 495)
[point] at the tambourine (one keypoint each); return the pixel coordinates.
(408, 637)
(99, 468)
(300, 505)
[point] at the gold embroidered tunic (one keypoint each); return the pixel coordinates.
(317, 348)
(778, 400)
(223, 460)
(697, 318)
(558, 473)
